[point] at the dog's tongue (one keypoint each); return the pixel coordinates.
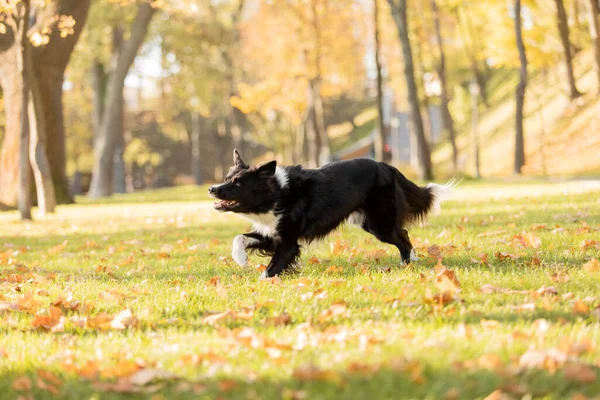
(223, 203)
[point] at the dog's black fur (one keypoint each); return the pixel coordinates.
(307, 204)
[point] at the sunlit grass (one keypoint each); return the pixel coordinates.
(351, 323)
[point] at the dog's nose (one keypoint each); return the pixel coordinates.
(211, 190)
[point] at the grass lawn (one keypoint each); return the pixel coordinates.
(140, 295)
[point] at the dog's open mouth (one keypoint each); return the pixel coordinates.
(226, 205)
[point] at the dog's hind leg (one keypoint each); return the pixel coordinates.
(383, 219)
(286, 254)
(252, 241)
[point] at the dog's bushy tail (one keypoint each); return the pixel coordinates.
(423, 200)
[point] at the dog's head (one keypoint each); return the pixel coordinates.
(249, 190)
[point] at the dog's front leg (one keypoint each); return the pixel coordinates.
(251, 240)
(285, 255)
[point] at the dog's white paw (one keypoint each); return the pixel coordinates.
(238, 251)
(413, 256)
(263, 275)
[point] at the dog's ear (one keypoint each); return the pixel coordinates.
(267, 169)
(237, 160)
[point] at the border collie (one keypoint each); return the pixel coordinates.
(291, 204)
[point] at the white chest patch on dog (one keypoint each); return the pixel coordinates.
(238, 250)
(265, 224)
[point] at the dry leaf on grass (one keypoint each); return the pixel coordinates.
(335, 310)
(580, 308)
(501, 255)
(446, 279)
(52, 322)
(592, 266)
(434, 251)
(59, 248)
(528, 240)
(587, 244)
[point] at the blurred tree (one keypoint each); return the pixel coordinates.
(399, 13)
(56, 27)
(520, 92)
(563, 30)
(314, 53)
(441, 72)
(594, 14)
(110, 130)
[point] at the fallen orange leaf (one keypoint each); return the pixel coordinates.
(592, 266)
(580, 307)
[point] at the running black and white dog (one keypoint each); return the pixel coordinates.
(288, 205)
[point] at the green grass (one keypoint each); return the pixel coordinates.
(156, 259)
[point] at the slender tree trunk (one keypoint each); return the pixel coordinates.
(324, 146)
(441, 70)
(563, 30)
(322, 136)
(24, 191)
(380, 134)
(593, 12)
(399, 14)
(196, 147)
(520, 93)
(475, 124)
(106, 142)
(99, 93)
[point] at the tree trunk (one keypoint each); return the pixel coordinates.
(315, 92)
(12, 89)
(475, 124)
(399, 14)
(49, 62)
(441, 71)
(520, 93)
(119, 168)
(196, 147)
(37, 139)
(312, 136)
(323, 137)
(24, 190)
(593, 12)
(106, 142)
(563, 30)
(99, 94)
(380, 134)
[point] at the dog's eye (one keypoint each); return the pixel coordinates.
(237, 183)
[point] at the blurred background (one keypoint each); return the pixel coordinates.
(113, 96)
